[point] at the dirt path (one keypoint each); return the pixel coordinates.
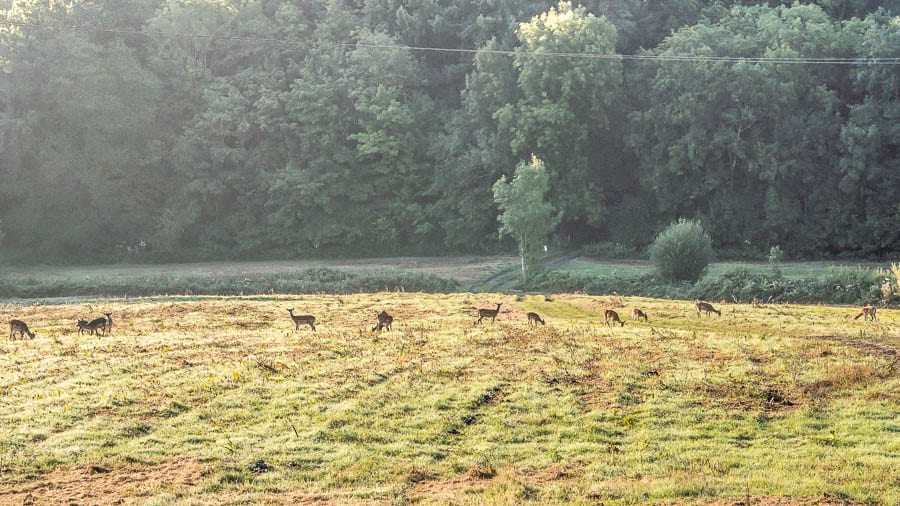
(870, 348)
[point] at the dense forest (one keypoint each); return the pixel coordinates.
(185, 129)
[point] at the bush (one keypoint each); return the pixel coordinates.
(610, 250)
(682, 251)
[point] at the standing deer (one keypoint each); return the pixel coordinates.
(637, 314)
(534, 318)
(20, 327)
(867, 312)
(488, 313)
(83, 326)
(303, 318)
(611, 318)
(108, 323)
(706, 306)
(384, 321)
(97, 325)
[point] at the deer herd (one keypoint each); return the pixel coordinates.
(103, 324)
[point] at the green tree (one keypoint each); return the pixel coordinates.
(747, 146)
(867, 217)
(682, 251)
(524, 214)
(568, 111)
(81, 112)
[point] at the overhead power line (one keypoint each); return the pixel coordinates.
(505, 52)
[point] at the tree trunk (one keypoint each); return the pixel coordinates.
(522, 255)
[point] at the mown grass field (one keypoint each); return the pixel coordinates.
(778, 404)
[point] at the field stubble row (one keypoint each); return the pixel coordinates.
(192, 392)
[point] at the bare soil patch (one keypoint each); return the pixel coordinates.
(100, 485)
(868, 347)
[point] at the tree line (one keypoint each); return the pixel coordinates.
(170, 129)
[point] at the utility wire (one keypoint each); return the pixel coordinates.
(505, 52)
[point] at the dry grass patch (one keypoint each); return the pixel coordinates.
(98, 484)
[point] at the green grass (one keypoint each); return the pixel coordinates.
(778, 402)
(476, 274)
(790, 270)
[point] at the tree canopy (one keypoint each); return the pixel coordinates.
(164, 129)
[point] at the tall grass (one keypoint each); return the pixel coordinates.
(315, 280)
(837, 285)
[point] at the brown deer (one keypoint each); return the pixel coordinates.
(637, 314)
(706, 306)
(488, 313)
(108, 323)
(384, 321)
(534, 318)
(302, 318)
(611, 318)
(20, 327)
(83, 326)
(97, 325)
(867, 312)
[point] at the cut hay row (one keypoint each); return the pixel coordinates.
(219, 400)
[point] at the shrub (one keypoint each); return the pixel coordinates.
(682, 251)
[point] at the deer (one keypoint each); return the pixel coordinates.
(108, 323)
(706, 306)
(637, 314)
(83, 326)
(488, 313)
(867, 312)
(384, 321)
(20, 327)
(302, 318)
(534, 318)
(611, 318)
(97, 325)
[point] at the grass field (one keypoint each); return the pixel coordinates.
(778, 404)
(462, 269)
(474, 273)
(790, 270)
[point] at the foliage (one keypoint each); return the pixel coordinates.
(280, 129)
(525, 215)
(835, 286)
(611, 250)
(682, 251)
(775, 258)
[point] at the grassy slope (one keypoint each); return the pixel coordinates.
(773, 402)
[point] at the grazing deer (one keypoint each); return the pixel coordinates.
(83, 326)
(20, 327)
(611, 317)
(108, 323)
(97, 325)
(534, 318)
(706, 306)
(384, 321)
(488, 313)
(637, 314)
(302, 318)
(867, 312)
